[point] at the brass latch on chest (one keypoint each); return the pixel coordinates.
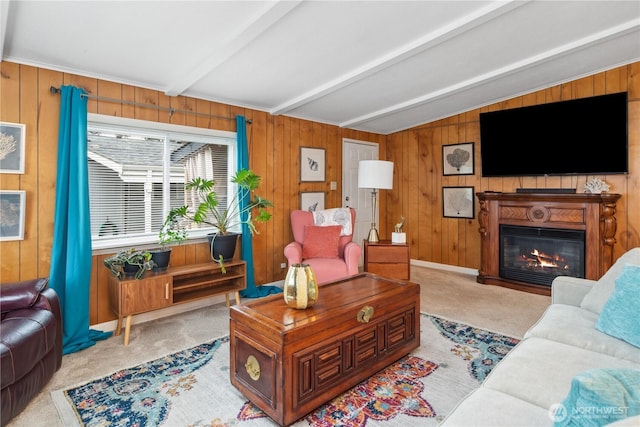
(253, 368)
(365, 314)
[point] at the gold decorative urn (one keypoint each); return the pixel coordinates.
(300, 286)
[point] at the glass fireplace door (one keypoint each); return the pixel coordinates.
(538, 255)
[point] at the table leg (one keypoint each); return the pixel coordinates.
(226, 295)
(118, 326)
(127, 330)
(237, 297)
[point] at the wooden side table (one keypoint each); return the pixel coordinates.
(176, 285)
(387, 259)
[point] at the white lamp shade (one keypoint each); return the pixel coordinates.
(375, 174)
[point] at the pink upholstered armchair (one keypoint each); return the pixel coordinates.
(327, 263)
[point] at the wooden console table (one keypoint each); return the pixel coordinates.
(593, 213)
(289, 362)
(176, 285)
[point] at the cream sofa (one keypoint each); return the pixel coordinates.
(537, 374)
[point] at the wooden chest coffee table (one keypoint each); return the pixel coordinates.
(288, 362)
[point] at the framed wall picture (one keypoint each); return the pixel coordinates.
(312, 164)
(312, 201)
(12, 141)
(12, 207)
(457, 159)
(457, 202)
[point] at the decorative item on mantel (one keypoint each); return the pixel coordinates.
(300, 286)
(398, 236)
(596, 186)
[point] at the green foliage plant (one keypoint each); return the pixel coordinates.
(226, 217)
(142, 259)
(172, 231)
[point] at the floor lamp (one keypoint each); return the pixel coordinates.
(376, 175)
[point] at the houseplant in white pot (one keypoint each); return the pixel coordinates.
(225, 218)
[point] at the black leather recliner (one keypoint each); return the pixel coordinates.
(30, 342)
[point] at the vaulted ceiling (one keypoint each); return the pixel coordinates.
(378, 66)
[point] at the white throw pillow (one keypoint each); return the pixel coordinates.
(600, 293)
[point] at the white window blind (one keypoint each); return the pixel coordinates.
(137, 174)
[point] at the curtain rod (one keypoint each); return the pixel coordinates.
(56, 90)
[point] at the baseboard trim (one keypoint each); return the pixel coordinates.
(447, 267)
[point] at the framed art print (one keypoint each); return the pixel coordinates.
(457, 202)
(312, 201)
(457, 159)
(12, 206)
(312, 164)
(12, 141)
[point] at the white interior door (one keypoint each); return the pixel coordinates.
(358, 198)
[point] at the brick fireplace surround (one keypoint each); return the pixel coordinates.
(593, 213)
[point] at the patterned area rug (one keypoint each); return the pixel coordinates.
(192, 387)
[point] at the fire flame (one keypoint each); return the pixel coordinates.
(544, 260)
(539, 259)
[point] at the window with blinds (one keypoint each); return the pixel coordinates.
(138, 173)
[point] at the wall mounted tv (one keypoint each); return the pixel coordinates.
(583, 136)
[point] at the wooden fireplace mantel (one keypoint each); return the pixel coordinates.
(593, 213)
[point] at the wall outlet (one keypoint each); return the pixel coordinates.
(333, 185)
(283, 265)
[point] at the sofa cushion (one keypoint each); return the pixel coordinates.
(490, 408)
(619, 317)
(572, 325)
(598, 296)
(601, 396)
(321, 241)
(539, 371)
(328, 269)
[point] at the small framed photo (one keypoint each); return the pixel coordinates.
(12, 207)
(457, 159)
(12, 141)
(312, 164)
(457, 202)
(312, 201)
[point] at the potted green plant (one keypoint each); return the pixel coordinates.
(172, 232)
(129, 262)
(226, 217)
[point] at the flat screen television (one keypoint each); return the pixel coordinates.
(583, 136)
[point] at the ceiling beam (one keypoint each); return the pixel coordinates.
(447, 32)
(592, 39)
(245, 35)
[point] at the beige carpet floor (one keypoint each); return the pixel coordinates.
(450, 295)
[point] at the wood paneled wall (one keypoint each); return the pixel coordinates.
(274, 143)
(417, 153)
(274, 146)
